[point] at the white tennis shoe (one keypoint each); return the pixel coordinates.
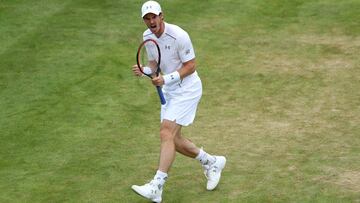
(151, 191)
(213, 172)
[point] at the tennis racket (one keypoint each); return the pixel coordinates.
(149, 55)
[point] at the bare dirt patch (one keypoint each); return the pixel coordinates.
(349, 180)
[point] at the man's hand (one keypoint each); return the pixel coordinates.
(158, 81)
(136, 71)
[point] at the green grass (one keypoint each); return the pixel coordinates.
(281, 101)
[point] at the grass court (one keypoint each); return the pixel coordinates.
(281, 100)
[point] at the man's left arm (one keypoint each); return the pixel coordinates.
(187, 68)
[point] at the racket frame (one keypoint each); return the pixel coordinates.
(158, 70)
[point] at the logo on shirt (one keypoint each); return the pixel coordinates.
(187, 52)
(167, 47)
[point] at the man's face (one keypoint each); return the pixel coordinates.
(154, 23)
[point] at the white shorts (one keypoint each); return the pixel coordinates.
(182, 100)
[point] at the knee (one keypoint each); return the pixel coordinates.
(166, 135)
(168, 131)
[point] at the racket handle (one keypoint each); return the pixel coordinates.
(161, 95)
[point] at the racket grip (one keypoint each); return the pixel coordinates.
(161, 95)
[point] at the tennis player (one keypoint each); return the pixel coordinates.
(182, 90)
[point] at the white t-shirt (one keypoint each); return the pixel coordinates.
(175, 48)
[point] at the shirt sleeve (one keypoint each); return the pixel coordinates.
(185, 48)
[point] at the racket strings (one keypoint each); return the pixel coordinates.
(149, 55)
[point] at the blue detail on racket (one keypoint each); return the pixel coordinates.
(149, 55)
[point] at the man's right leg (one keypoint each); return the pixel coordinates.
(153, 189)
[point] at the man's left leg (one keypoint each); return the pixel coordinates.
(213, 165)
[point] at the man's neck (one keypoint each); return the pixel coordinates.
(162, 30)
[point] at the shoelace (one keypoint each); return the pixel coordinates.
(208, 169)
(154, 183)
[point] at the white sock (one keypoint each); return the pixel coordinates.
(160, 177)
(205, 158)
